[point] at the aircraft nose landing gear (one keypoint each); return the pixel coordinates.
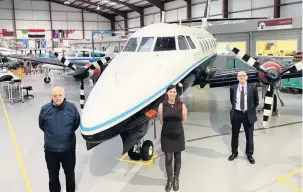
(144, 151)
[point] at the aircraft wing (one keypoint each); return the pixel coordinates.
(226, 77)
(54, 61)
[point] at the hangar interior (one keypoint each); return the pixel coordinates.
(41, 26)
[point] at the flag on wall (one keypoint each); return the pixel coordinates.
(36, 33)
(6, 33)
(61, 33)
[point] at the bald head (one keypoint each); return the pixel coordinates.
(58, 95)
(242, 77)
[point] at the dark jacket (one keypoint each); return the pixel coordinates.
(252, 101)
(59, 124)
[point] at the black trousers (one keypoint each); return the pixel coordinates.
(68, 161)
(238, 119)
(169, 164)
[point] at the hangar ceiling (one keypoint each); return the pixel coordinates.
(110, 8)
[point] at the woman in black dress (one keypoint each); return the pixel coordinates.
(172, 114)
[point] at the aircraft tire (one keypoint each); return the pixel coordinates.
(133, 155)
(47, 79)
(147, 150)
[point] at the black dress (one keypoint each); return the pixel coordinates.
(172, 134)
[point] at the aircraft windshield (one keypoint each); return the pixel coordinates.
(72, 54)
(146, 44)
(131, 45)
(165, 44)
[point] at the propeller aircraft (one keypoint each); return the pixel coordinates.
(131, 87)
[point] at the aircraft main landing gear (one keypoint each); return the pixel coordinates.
(144, 151)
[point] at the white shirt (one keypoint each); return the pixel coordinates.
(238, 98)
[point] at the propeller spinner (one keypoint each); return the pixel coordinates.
(270, 74)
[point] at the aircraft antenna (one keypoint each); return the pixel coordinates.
(163, 16)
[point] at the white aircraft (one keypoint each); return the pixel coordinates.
(130, 89)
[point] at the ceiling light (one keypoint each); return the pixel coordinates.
(66, 2)
(98, 8)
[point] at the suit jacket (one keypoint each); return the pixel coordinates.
(252, 101)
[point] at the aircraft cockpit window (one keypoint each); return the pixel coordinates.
(165, 44)
(131, 45)
(182, 43)
(191, 43)
(83, 54)
(72, 54)
(146, 44)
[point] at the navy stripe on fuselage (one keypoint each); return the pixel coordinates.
(143, 103)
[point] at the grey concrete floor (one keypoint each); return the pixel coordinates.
(205, 165)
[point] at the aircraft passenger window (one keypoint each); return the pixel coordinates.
(202, 46)
(83, 54)
(191, 43)
(131, 45)
(97, 55)
(146, 44)
(72, 54)
(182, 43)
(165, 44)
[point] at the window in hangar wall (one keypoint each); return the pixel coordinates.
(221, 46)
(276, 47)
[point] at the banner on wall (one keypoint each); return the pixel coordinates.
(276, 48)
(275, 24)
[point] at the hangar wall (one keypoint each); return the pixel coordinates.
(237, 8)
(34, 14)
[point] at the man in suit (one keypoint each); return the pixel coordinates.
(244, 99)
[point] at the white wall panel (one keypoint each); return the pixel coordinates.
(42, 25)
(238, 5)
(263, 12)
(261, 3)
(240, 14)
(41, 15)
(174, 4)
(90, 25)
(23, 4)
(6, 4)
(182, 13)
(90, 17)
(215, 8)
(157, 18)
(76, 35)
(151, 10)
(6, 24)
(289, 1)
(294, 10)
(24, 24)
(40, 5)
(133, 14)
(24, 14)
(197, 1)
(118, 18)
(196, 10)
(74, 25)
(148, 19)
(6, 14)
(119, 25)
(59, 7)
(59, 16)
(104, 26)
(100, 18)
(73, 16)
(133, 22)
(171, 15)
(60, 25)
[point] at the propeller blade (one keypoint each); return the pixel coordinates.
(65, 61)
(293, 68)
(245, 58)
(268, 104)
(82, 95)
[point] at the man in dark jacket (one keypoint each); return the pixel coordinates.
(59, 120)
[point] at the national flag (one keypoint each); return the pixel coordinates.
(42, 43)
(55, 33)
(7, 33)
(36, 33)
(69, 32)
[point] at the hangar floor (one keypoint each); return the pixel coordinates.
(205, 165)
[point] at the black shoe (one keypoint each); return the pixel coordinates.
(251, 159)
(233, 156)
(169, 184)
(176, 184)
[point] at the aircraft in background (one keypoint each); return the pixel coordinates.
(130, 89)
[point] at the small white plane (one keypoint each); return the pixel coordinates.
(128, 92)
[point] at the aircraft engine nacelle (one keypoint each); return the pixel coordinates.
(273, 70)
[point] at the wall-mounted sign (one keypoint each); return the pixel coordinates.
(273, 24)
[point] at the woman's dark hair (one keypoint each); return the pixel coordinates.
(178, 102)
